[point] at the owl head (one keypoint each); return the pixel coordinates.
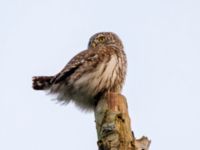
(105, 38)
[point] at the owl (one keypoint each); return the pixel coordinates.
(88, 76)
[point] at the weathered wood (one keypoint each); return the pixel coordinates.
(114, 127)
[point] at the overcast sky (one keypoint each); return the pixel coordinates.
(162, 43)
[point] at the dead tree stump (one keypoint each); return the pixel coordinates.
(114, 126)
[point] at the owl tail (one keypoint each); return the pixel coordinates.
(42, 82)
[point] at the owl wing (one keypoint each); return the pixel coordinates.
(89, 57)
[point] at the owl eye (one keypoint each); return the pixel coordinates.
(101, 38)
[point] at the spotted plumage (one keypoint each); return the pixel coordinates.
(90, 74)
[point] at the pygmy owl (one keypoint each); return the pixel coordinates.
(99, 69)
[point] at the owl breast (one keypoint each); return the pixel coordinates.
(103, 78)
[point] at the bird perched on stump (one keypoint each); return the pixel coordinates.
(99, 69)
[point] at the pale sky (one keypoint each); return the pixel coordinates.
(162, 43)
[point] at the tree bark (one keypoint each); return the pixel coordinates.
(114, 126)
